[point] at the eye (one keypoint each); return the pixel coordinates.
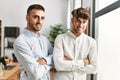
(76, 20)
(84, 21)
(43, 18)
(35, 16)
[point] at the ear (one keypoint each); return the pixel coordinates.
(27, 17)
(71, 20)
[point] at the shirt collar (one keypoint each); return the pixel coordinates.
(30, 33)
(74, 35)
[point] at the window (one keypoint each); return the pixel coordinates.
(108, 46)
(107, 30)
(103, 3)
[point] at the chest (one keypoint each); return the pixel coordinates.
(38, 47)
(76, 49)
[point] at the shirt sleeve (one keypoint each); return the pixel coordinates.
(23, 52)
(72, 65)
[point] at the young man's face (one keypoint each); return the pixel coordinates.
(35, 20)
(79, 25)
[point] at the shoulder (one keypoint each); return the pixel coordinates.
(89, 38)
(63, 35)
(22, 38)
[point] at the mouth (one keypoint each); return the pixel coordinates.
(38, 25)
(79, 28)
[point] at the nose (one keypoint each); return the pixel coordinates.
(80, 24)
(39, 20)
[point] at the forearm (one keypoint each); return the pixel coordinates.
(74, 65)
(90, 69)
(68, 65)
(32, 67)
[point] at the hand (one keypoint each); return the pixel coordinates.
(67, 58)
(42, 61)
(86, 61)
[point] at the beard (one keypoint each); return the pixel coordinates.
(35, 27)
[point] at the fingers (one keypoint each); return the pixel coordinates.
(42, 61)
(86, 61)
(67, 58)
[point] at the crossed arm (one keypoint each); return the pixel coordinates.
(85, 60)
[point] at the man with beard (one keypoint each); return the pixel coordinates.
(32, 49)
(75, 53)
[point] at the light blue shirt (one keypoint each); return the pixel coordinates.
(28, 48)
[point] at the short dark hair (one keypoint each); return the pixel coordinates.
(81, 13)
(35, 6)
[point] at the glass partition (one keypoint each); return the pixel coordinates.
(109, 46)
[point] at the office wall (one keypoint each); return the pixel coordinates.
(13, 13)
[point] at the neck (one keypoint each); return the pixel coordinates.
(36, 32)
(76, 33)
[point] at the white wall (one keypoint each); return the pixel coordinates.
(13, 12)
